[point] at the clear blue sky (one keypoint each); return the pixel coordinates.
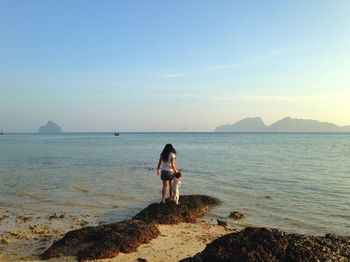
(171, 65)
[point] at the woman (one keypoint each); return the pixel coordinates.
(167, 161)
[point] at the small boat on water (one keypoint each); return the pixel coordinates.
(116, 133)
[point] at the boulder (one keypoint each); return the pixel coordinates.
(104, 241)
(190, 208)
(265, 244)
(221, 223)
(235, 215)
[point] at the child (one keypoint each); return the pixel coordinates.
(176, 185)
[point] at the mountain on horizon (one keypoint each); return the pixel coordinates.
(249, 124)
(50, 128)
(287, 124)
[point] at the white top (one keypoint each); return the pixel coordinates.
(177, 183)
(166, 166)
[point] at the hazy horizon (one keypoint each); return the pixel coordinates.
(176, 131)
(171, 66)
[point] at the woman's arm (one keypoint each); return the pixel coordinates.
(158, 167)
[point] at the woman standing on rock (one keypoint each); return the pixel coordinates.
(167, 162)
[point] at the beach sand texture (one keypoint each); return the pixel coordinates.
(27, 237)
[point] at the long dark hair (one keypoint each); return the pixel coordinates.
(166, 151)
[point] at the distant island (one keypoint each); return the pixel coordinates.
(287, 124)
(50, 128)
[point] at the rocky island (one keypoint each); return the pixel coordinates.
(287, 124)
(50, 128)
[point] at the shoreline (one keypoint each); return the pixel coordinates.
(23, 235)
(28, 236)
(157, 233)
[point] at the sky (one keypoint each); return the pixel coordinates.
(160, 65)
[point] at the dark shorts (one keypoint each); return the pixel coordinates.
(166, 175)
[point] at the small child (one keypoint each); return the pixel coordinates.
(176, 185)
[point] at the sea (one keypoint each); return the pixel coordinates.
(298, 182)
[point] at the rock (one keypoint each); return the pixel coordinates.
(222, 223)
(314, 248)
(196, 258)
(106, 241)
(265, 244)
(141, 259)
(4, 216)
(55, 216)
(236, 215)
(28, 218)
(19, 234)
(5, 241)
(191, 207)
(249, 244)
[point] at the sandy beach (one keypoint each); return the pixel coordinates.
(176, 242)
(24, 237)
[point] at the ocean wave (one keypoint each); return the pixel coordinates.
(32, 196)
(10, 205)
(79, 189)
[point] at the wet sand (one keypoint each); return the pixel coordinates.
(24, 237)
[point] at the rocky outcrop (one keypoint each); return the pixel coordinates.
(50, 128)
(264, 244)
(191, 207)
(312, 248)
(250, 244)
(106, 241)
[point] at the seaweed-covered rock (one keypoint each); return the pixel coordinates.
(235, 215)
(264, 244)
(190, 208)
(318, 248)
(104, 241)
(221, 223)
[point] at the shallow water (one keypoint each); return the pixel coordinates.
(297, 182)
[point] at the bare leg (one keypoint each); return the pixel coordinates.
(171, 193)
(177, 196)
(164, 190)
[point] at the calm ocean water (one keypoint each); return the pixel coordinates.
(297, 182)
